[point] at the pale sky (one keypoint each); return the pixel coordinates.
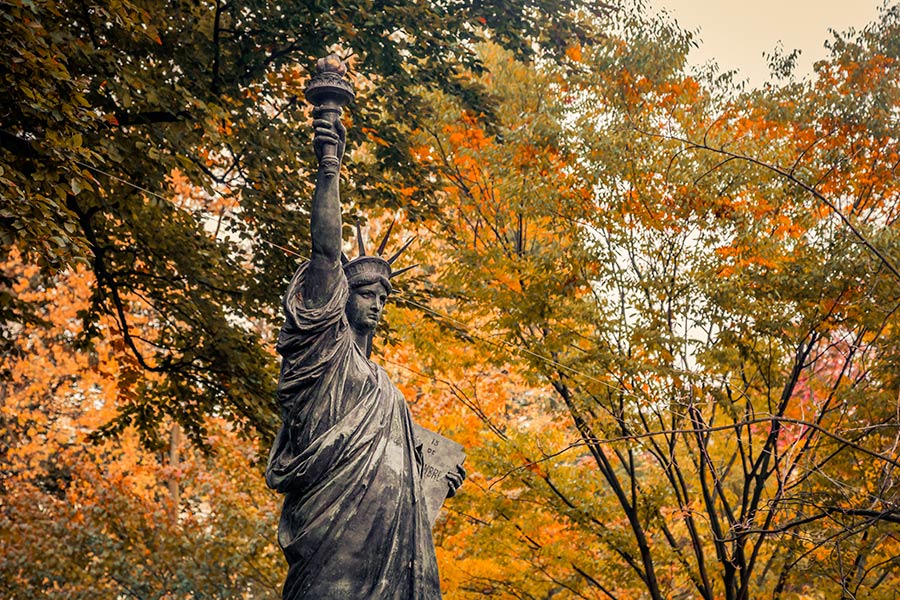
(736, 33)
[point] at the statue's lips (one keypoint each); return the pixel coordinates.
(371, 319)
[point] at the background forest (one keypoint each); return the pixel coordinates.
(658, 307)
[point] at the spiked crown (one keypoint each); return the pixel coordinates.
(366, 269)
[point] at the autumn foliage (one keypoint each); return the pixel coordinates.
(659, 309)
(687, 295)
(83, 518)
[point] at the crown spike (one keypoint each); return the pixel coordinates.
(359, 240)
(402, 271)
(385, 238)
(344, 259)
(391, 260)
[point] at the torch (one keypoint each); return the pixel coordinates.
(328, 91)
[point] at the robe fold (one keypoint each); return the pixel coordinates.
(353, 523)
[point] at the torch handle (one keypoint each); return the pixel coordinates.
(331, 112)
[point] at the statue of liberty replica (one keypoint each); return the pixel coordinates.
(354, 522)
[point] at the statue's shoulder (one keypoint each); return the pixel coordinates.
(333, 305)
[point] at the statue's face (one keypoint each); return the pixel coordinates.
(365, 305)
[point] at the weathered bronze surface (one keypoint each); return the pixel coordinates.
(355, 522)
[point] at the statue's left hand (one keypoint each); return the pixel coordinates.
(455, 479)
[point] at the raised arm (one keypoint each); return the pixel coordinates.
(325, 216)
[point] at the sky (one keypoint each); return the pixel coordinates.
(737, 32)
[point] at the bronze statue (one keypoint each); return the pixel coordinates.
(354, 522)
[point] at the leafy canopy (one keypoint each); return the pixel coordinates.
(111, 106)
(674, 310)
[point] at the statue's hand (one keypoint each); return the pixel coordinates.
(455, 479)
(329, 131)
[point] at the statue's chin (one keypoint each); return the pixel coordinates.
(366, 327)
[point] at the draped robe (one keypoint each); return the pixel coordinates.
(353, 524)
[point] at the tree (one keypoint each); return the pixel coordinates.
(112, 519)
(717, 328)
(659, 309)
(106, 100)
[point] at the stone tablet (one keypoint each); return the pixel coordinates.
(440, 456)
